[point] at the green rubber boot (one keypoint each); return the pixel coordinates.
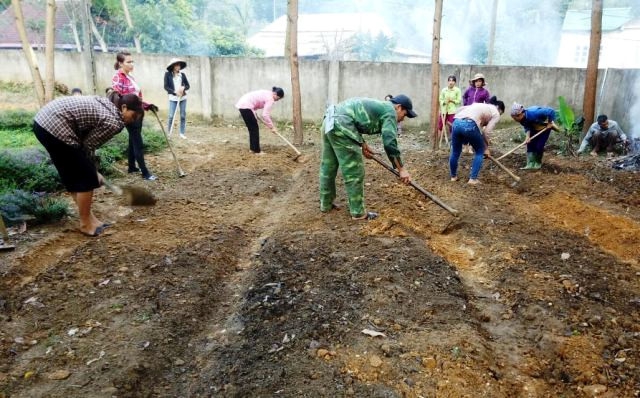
(531, 158)
(537, 161)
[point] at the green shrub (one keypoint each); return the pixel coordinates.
(17, 118)
(29, 169)
(16, 129)
(36, 208)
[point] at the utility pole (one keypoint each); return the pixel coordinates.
(492, 34)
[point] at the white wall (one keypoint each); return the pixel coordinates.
(217, 83)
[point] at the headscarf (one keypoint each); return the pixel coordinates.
(516, 109)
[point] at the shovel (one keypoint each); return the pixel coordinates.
(426, 193)
(134, 196)
(173, 119)
(299, 157)
(522, 144)
(443, 132)
(503, 167)
(166, 137)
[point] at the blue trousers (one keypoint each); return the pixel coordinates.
(183, 114)
(463, 132)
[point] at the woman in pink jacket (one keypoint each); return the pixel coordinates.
(248, 104)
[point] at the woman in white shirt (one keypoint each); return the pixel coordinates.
(176, 85)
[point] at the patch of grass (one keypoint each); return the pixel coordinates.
(18, 118)
(16, 129)
(15, 88)
(36, 208)
(18, 138)
(29, 169)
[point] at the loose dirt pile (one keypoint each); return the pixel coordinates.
(235, 285)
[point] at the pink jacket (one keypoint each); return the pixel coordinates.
(259, 99)
(124, 84)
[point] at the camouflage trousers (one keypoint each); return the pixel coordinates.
(341, 152)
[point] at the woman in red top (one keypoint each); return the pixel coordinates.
(124, 83)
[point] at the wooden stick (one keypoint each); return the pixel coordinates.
(503, 167)
(522, 144)
(426, 193)
(166, 137)
(298, 153)
(173, 119)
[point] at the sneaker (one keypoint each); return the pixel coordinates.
(150, 177)
(184, 137)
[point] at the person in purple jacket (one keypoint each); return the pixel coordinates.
(476, 91)
(248, 104)
(535, 119)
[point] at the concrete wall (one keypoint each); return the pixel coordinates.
(217, 83)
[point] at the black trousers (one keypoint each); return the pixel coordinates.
(254, 131)
(136, 149)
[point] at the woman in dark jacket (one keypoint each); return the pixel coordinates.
(176, 85)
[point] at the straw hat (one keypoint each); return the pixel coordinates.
(476, 77)
(175, 61)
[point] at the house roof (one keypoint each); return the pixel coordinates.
(612, 19)
(34, 15)
(317, 33)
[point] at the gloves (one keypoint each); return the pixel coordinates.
(152, 108)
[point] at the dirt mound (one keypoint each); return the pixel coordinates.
(235, 285)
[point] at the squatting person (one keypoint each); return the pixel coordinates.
(603, 134)
(343, 146)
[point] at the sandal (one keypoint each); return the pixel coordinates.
(96, 233)
(367, 216)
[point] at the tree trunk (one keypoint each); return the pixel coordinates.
(98, 36)
(49, 51)
(591, 80)
(70, 8)
(127, 16)
(38, 85)
(435, 74)
(87, 55)
(492, 33)
(292, 28)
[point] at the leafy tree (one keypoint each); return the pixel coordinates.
(367, 47)
(224, 42)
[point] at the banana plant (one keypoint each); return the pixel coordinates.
(571, 127)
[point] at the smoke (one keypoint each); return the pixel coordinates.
(634, 112)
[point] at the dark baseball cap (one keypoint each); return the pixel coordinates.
(404, 102)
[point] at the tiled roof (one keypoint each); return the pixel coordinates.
(34, 16)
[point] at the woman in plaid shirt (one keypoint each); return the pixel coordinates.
(70, 129)
(123, 83)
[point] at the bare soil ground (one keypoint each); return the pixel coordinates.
(235, 285)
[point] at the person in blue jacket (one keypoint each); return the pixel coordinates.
(535, 119)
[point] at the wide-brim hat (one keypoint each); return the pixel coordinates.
(478, 76)
(174, 61)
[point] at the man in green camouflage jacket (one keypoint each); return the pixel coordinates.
(343, 146)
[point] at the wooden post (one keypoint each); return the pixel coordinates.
(591, 79)
(435, 74)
